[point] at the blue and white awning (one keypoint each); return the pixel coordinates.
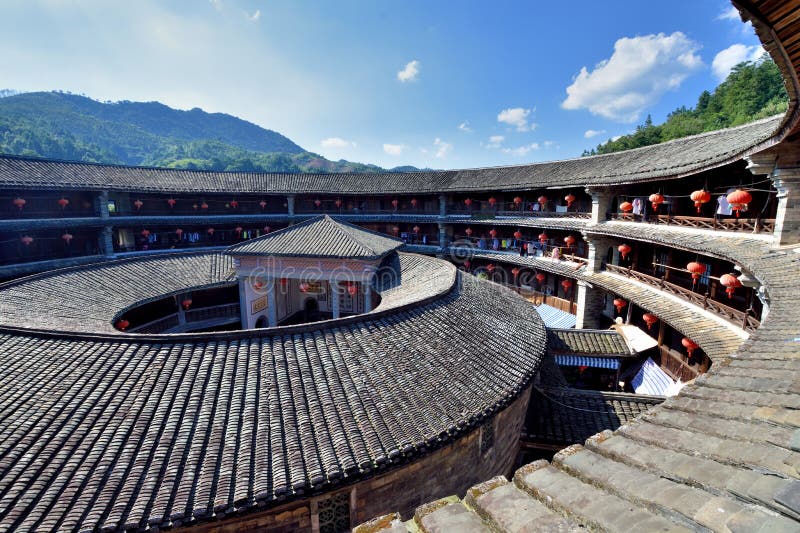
(555, 318)
(582, 360)
(652, 380)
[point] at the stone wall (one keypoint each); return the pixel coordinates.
(449, 470)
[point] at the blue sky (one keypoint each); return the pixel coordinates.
(426, 83)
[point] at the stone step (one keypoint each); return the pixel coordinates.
(507, 508)
(681, 503)
(713, 477)
(588, 505)
(446, 515)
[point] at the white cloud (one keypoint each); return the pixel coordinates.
(730, 13)
(588, 134)
(394, 149)
(442, 148)
(517, 117)
(336, 142)
(637, 74)
(464, 126)
(548, 144)
(254, 17)
(616, 138)
(521, 150)
(410, 72)
(495, 141)
(725, 60)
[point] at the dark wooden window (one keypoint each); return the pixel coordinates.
(334, 513)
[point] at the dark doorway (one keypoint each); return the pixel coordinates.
(261, 322)
(311, 310)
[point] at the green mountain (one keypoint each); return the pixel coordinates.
(72, 127)
(752, 90)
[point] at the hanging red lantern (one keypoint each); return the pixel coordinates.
(697, 269)
(626, 207)
(543, 238)
(210, 231)
(63, 202)
(649, 319)
(467, 264)
(317, 203)
(542, 202)
(204, 206)
(567, 285)
(179, 232)
(257, 284)
(394, 203)
(490, 268)
(492, 233)
(19, 202)
(262, 204)
(304, 287)
(492, 201)
(739, 199)
(515, 272)
(138, 204)
(415, 229)
(690, 345)
(337, 203)
(171, 202)
(468, 231)
(569, 240)
(699, 198)
(656, 199)
(187, 303)
(624, 250)
(26, 240)
(620, 304)
(730, 282)
(67, 238)
(352, 289)
(467, 202)
(413, 202)
(145, 233)
(517, 200)
(267, 229)
(570, 198)
(123, 324)
(518, 235)
(234, 204)
(540, 278)
(284, 282)
(238, 231)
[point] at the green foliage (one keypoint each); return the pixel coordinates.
(751, 91)
(71, 127)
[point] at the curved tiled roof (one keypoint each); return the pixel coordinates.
(586, 342)
(667, 160)
(126, 431)
(320, 236)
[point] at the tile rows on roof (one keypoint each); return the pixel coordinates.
(586, 342)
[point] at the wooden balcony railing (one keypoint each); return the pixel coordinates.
(742, 319)
(744, 225)
(545, 214)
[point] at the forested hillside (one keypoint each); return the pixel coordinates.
(751, 91)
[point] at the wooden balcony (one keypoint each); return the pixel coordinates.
(742, 225)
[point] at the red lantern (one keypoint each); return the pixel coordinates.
(492, 233)
(123, 324)
(63, 202)
(649, 319)
(624, 250)
(570, 241)
(394, 203)
(337, 203)
(204, 206)
(517, 200)
(543, 238)
(468, 231)
(267, 229)
(656, 199)
(540, 278)
(518, 234)
(179, 232)
(234, 204)
(187, 303)
(26, 240)
(515, 272)
(413, 202)
(145, 233)
(542, 201)
(304, 287)
(697, 270)
(490, 268)
(263, 204)
(257, 284)
(67, 238)
(352, 289)
(620, 304)
(467, 264)
(570, 198)
(467, 202)
(284, 281)
(492, 201)
(690, 345)
(210, 231)
(567, 285)
(699, 198)
(739, 199)
(415, 229)
(730, 282)
(238, 231)
(19, 203)
(171, 202)
(626, 207)
(138, 204)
